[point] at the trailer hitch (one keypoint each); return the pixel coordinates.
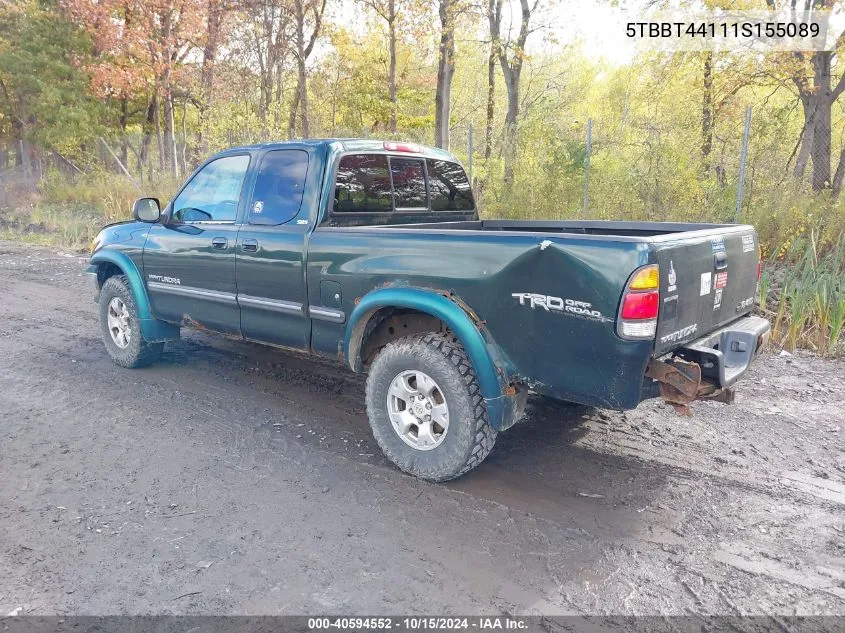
(680, 383)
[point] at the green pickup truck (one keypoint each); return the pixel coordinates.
(372, 253)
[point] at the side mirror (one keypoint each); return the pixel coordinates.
(146, 210)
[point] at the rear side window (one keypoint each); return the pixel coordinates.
(363, 184)
(450, 190)
(408, 177)
(279, 186)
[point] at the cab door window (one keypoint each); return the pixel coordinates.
(277, 196)
(213, 193)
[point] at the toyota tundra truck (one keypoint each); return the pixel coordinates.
(372, 253)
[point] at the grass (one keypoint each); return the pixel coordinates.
(70, 213)
(803, 292)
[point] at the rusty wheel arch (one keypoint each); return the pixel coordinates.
(389, 324)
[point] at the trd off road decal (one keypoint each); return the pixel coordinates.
(165, 280)
(558, 305)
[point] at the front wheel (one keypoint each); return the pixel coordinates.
(425, 407)
(121, 328)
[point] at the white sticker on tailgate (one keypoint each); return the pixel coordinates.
(747, 243)
(705, 284)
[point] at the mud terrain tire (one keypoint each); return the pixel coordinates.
(137, 352)
(468, 439)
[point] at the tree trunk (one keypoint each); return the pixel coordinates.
(820, 151)
(301, 78)
(391, 72)
(494, 20)
(806, 143)
(510, 138)
(491, 101)
(512, 70)
(294, 108)
(169, 124)
(149, 129)
(166, 78)
(445, 73)
(707, 114)
(209, 59)
(839, 175)
(123, 121)
(277, 103)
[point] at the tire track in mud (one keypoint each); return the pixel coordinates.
(585, 509)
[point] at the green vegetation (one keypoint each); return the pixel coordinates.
(103, 102)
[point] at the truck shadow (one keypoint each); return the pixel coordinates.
(546, 465)
(543, 466)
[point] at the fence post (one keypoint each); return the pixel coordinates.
(123, 167)
(587, 165)
(742, 160)
(469, 154)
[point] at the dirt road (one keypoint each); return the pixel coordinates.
(233, 479)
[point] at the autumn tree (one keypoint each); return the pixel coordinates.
(144, 38)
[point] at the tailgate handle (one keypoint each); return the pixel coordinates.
(720, 260)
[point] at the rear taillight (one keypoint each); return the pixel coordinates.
(640, 304)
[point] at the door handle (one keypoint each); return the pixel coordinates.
(250, 245)
(220, 242)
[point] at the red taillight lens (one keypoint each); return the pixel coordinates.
(641, 305)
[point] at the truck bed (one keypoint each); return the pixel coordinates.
(708, 276)
(572, 227)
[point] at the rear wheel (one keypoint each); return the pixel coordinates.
(426, 409)
(121, 328)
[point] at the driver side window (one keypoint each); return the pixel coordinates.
(213, 193)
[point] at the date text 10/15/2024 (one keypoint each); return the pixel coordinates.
(419, 623)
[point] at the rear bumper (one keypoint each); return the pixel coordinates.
(709, 367)
(726, 354)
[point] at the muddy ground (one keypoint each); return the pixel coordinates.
(230, 478)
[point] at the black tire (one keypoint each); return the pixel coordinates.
(469, 437)
(138, 352)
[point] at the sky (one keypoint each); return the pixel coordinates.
(598, 26)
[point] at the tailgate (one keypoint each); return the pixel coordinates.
(707, 280)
